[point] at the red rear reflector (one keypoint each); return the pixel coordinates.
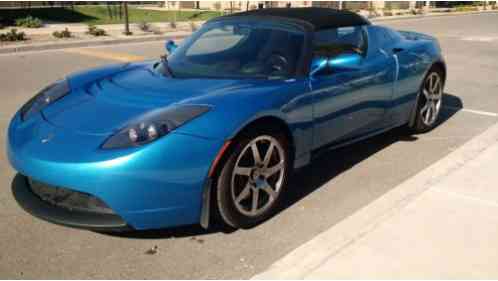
(218, 158)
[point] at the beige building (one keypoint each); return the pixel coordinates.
(251, 5)
(233, 5)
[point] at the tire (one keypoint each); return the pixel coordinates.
(430, 101)
(244, 178)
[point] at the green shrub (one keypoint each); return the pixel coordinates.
(13, 35)
(95, 31)
(62, 34)
(30, 22)
(466, 8)
(144, 26)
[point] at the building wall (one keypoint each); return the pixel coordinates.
(237, 5)
(243, 5)
(397, 4)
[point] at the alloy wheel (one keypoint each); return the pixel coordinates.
(433, 93)
(258, 176)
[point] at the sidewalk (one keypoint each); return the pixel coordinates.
(440, 224)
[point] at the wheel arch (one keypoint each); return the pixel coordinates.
(268, 121)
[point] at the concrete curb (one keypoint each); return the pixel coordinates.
(308, 257)
(86, 43)
(393, 18)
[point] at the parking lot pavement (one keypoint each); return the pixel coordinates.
(334, 187)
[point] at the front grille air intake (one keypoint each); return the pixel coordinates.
(68, 199)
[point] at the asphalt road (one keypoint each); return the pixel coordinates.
(336, 185)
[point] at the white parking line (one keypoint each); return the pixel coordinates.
(480, 112)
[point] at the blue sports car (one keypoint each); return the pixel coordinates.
(219, 124)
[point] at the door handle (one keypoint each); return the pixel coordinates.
(397, 50)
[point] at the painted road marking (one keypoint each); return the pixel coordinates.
(481, 38)
(479, 112)
(104, 55)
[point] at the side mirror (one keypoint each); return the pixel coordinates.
(345, 61)
(170, 46)
(318, 64)
(342, 62)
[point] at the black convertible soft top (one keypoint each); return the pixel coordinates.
(319, 18)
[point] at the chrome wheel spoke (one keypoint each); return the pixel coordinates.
(255, 153)
(424, 109)
(255, 200)
(428, 113)
(268, 189)
(245, 192)
(431, 82)
(426, 94)
(435, 85)
(244, 171)
(268, 155)
(268, 172)
(435, 110)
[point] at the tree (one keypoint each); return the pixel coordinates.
(127, 21)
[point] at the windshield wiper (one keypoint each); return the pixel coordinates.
(167, 69)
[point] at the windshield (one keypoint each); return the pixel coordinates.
(239, 50)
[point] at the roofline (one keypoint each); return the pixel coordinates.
(297, 22)
(254, 14)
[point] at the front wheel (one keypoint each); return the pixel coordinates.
(429, 103)
(253, 179)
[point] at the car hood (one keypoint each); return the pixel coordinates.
(110, 103)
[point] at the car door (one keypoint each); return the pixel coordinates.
(349, 103)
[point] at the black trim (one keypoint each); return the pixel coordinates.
(78, 219)
(319, 18)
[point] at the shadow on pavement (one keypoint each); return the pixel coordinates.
(323, 168)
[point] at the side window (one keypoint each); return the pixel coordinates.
(382, 37)
(335, 41)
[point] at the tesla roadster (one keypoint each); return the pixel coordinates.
(219, 123)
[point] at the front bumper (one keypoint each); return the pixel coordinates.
(154, 186)
(33, 204)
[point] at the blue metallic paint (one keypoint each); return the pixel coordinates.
(160, 184)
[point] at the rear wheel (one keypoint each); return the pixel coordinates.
(430, 101)
(253, 179)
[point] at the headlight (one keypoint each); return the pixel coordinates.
(154, 125)
(45, 97)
